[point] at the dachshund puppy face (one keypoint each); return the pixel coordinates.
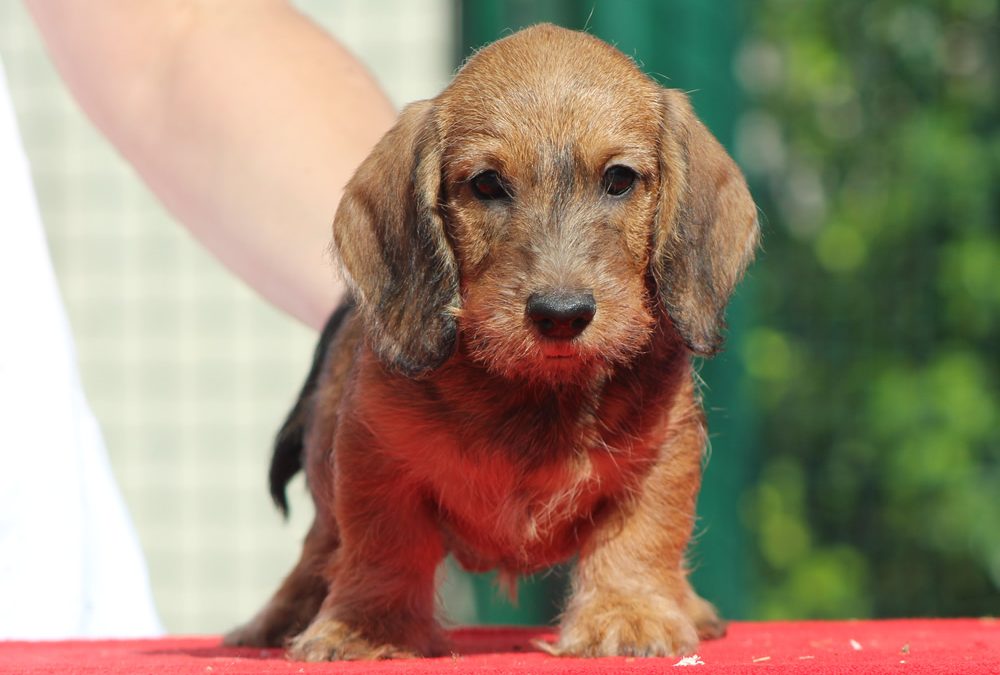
(549, 196)
(541, 215)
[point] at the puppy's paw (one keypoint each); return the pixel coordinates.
(252, 634)
(272, 627)
(626, 627)
(704, 617)
(333, 640)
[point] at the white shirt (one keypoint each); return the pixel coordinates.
(70, 562)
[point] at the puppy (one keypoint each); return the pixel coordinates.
(534, 256)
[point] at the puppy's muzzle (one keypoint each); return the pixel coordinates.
(561, 315)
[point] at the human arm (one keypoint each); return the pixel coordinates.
(244, 118)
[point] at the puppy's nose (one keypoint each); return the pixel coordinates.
(561, 316)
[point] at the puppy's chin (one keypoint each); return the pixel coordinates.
(502, 342)
(558, 349)
(536, 361)
(560, 362)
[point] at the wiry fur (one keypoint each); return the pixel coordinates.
(443, 421)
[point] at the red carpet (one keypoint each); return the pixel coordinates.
(910, 646)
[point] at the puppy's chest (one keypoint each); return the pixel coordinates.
(498, 512)
(515, 489)
(519, 478)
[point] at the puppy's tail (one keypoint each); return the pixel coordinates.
(290, 441)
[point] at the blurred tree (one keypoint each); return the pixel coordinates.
(874, 149)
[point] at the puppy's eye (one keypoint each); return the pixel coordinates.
(618, 180)
(487, 186)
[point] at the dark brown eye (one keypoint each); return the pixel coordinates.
(487, 186)
(618, 180)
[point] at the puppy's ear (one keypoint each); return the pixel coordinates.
(706, 230)
(389, 235)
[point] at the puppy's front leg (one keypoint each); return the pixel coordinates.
(630, 594)
(381, 579)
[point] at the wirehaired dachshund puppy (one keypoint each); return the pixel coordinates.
(533, 256)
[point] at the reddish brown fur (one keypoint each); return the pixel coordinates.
(445, 422)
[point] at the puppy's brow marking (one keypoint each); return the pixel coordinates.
(514, 383)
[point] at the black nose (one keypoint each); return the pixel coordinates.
(561, 315)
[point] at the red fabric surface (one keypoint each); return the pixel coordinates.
(907, 646)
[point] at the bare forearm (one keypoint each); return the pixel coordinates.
(243, 117)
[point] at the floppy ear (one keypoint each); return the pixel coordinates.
(706, 230)
(390, 238)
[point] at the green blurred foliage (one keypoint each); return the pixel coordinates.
(872, 142)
